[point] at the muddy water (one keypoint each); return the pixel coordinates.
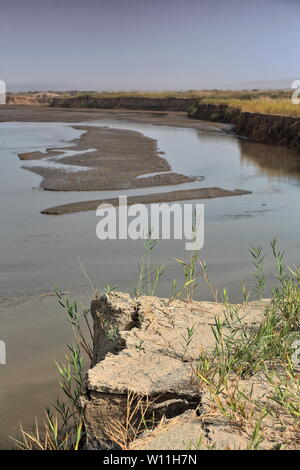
(40, 252)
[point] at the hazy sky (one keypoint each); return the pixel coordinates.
(147, 44)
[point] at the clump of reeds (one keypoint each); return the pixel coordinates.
(261, 104)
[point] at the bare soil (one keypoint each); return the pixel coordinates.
(120, 156)
(184, 195)
(20, 113)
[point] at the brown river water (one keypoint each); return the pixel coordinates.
(39, 253)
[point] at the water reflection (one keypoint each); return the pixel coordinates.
(277, 163)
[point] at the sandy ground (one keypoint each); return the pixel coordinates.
(184, 195)
(119, 158)
(48, 114)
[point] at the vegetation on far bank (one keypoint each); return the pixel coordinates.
(201, 94)
(262, 104)
(259, 101)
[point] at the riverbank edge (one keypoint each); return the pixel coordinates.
(126, 102)
(257, 127)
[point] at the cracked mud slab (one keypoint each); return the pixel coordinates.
(148, 358)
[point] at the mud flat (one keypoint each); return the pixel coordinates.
(116, 158)
(172, 196)
(106, 158)
(20, 113)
